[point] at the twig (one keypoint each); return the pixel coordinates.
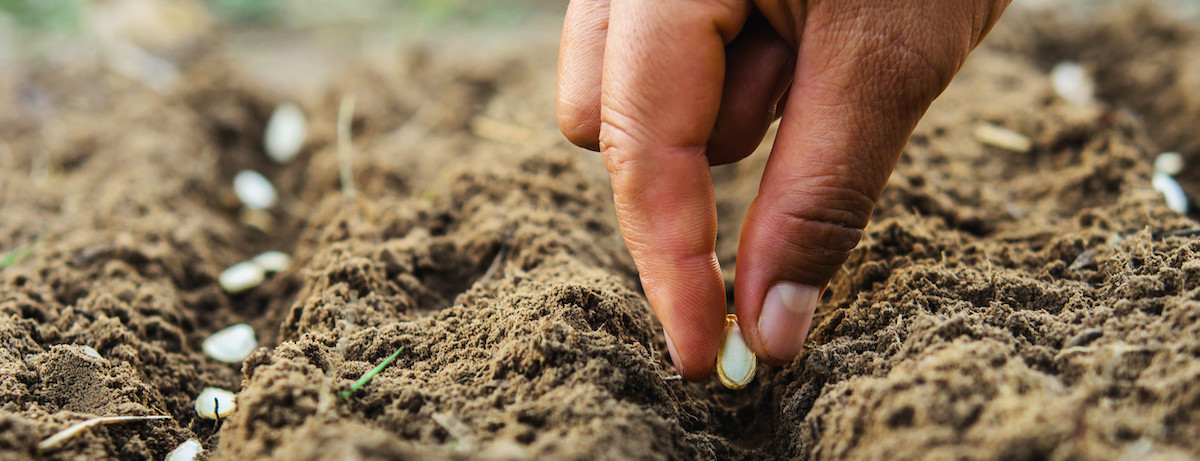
(77, 428)
(456, 429)
(371, 374)
(492, 268)
(345, 119)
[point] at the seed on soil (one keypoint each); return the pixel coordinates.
(186, 451)
(1169, 188)
(1072, 83)
(285, 133)
(241, 277)
(254, 190)
(736, 363)
(91, 352)
(1003, 138)
(214, 403)
(1169, 163)
(231, 345)
(273, 261)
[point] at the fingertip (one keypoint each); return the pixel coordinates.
(697, 366)
(785, 320)
(694, 370)
(580, 125)
(690, 302)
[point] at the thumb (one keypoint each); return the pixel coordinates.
(864, 78)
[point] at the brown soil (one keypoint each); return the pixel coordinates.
(1002, 305)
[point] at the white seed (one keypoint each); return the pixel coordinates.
(254, 190)
(273, 261)
(215, 402)
(91, 352)
(1176, 199)
(231, 345)
(1003, 138)
(285, 133)
(1072, 83)
(241, 277)
(736, 363)
(1170, 163)
(186, 451)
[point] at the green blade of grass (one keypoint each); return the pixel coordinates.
(371, 374)
(11, 257)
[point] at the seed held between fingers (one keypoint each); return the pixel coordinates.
(736, 363)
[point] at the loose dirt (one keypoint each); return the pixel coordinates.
(1001, 306)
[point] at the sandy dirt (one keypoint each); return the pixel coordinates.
(1003, 305)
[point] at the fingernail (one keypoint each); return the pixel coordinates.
(674, 354)
(786, 315)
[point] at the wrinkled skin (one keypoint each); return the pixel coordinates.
(666, 88)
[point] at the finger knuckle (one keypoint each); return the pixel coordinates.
(919, 66)
(615, 144)
(827, 225)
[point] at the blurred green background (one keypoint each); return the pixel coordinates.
(67, 16)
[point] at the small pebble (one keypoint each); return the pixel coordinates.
(1176, 198)
(285, 133)
(254, 190)
(231, 345)
(186, 451)
(273, 261)
(1169, 163)
(214, 402)
(1003, 138)
(241, 277)
(1072, 83)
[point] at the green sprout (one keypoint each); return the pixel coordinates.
(12, 257)
(51, 16)
(366, 377)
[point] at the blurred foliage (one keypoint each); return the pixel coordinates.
(469, 10)
(67, 16)
(254, 11)
(55, 16)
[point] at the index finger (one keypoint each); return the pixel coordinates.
(664, 65)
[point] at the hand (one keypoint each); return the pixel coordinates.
(666, 88)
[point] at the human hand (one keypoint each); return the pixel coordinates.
(666, 88)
